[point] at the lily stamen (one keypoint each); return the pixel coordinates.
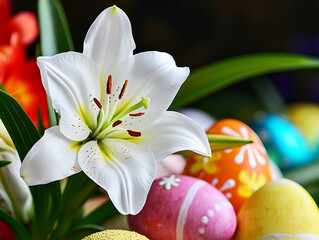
(109, 85)
(118, 122)
(114, 122)
(123, 89)
(143, 103)
(134, 133)
(137, 114)
(97, 102)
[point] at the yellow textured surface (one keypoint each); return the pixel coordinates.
(279, 207)
(115, 235)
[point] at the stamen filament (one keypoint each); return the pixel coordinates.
(100, 122)
(143, 103)
(105, 127)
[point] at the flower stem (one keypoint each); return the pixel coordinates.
(78, 190)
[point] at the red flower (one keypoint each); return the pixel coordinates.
(20, 77)
(6, 233)
(23, 23)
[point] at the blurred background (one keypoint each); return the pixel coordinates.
(199, 33)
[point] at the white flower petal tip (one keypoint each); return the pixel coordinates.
(114, 9)
(124, 169)
(52, 158)
(174, 132)
(109, 39)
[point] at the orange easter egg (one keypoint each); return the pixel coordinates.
(236, 172)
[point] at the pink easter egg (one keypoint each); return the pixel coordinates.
(185, 208)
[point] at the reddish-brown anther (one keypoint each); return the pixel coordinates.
(97, 102)
(134, 133)
(109, 85)
(136, 114)
(118, 122)
(123, 89)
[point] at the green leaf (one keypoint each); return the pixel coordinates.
(40, 122)
(215, 76)
(55, 35)
(4, 163)
(24, 135)
(100, 215)
(82, 231)
(77, 191)
(19, 230)
(305, 175)
(223, 142)
(19, 126)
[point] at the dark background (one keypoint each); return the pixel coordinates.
(197, 33)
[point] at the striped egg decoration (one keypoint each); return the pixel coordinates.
(182, 207)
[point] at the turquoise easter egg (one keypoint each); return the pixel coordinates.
(285, 144)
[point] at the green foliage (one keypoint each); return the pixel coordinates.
(4, 163)
(24, 135)
(100, 215)
(215, 76)
(223, 142)
(19, 126)
(55, 35)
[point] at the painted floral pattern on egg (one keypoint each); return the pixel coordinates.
(237, 172)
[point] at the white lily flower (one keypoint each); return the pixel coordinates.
(15, 195)
(114, 125)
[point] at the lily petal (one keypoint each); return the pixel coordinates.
(52, 158)
(149, 74)
(72, 81)
(109, 39)
(18, 193)
(174, 132)
(124, 169)
(5, 203)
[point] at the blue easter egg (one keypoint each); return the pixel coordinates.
(285, 145)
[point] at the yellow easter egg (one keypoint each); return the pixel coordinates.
(281, 209)
(115, 235)
(305, 115)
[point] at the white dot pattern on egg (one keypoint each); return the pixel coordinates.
(181, 207)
